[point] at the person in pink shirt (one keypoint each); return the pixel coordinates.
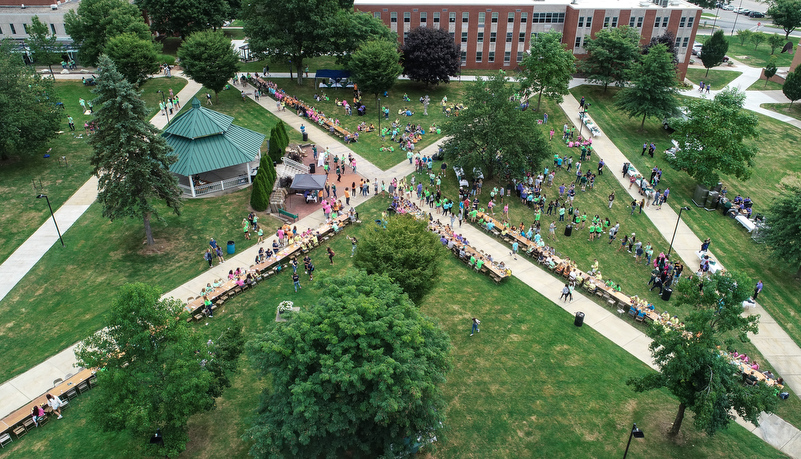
(755, 366)
(280, 234)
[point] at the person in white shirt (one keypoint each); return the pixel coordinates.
(55, 403)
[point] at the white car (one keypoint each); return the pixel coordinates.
(697, 48)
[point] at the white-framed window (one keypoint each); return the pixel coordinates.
(423, 18)
(452, 19)
(464, 57)
(578, 42)
(639, 21)
(494, 18)
(465, 16)
(377, 14)
(507, 56)
(520, 56)
(480, 38)
(436, 17)
(407, 17)
(581, 21)
(479, 56)
(682, 21)
(606, 22)
(509, 37)
(493, 37)
(491, 56)
(657, 21)
(52, 28)
(690, 21)
(523, 18)
(665, 20)
(614, 21)
(511, 18)
(521, 37)
(393, 16)
(464, 37)
(589, 21)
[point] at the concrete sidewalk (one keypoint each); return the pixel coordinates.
(23, 388)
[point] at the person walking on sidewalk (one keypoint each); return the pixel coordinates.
(475, 328)
(565, 292)
(209, 257)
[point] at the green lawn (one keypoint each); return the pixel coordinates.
(761, 86)
(730, 241)
(793, 110)
(314, 64)
(530, 381)
(20, 213)
(758, 57)
(369, 144)
(718, 79)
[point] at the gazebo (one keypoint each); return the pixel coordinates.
(213, 153)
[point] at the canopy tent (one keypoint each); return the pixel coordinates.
(308, 182)
(339, 77)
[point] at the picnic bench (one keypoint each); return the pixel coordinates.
(285, 213)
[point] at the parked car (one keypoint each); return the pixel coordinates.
(681, 115)
(756, 14)
(744, 12)
(727, 7)
(725, 58)
(697, 49)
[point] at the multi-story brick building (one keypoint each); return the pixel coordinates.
(15, 18)
(495, 34)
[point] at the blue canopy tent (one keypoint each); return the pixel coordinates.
(332, 78)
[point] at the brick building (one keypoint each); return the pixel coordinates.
(494, 35)
(15, 18)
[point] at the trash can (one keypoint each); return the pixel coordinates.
(231, 247)
(579, 319)
(312, 167)
(305, 136)
(568, 230)
(666, 294)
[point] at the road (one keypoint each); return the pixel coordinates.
(730, 22)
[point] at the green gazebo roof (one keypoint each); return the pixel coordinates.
(205, 140)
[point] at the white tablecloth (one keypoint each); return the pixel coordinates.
(747, 224)
(713, 265)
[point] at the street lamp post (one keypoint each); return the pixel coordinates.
(583, 114)
(379, 115)
(52, 215)
(735, 17)
(675, 229)
(636, 433)
(166, 110)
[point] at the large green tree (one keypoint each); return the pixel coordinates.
(208, 58)
(785, 14)
(653, 88)
(131, 158)
(362, 27)
(691, 365)
(406, 251)
(547, 67)
(95, 21)
(358, 372)
(28, 111)
(716, 137)
(714, 50)
(297, 30)
(430, 55)
(792, 86)
(611, 55)
(493, 134)
(770, 70)
(183, 17)
(375, 66)
(783, 230)
(43, 44)
(775, 41)
(153, 376)
(134, 57)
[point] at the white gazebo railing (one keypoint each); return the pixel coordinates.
(213, 187)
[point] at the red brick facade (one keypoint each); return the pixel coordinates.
(495, 35)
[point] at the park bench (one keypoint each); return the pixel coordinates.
(283, 212)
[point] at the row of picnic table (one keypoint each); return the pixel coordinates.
(635, 307)
(20, 421)
(221, 293)
(296, 103)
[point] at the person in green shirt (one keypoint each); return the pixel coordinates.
(479, 264)
(472, 260)
(592, 233)
(562, 214)
(537, 215)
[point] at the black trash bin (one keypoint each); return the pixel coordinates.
(231, 247)
(305, 136)
(312, 168)
(579, 319)
(666, 294)
(568, 230)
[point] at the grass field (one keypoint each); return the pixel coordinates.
(530, 381)
(20, 213)
(793, 110)
(369, 144)
(730, 242)
(718, 79)
(758, 57)
(761, 86)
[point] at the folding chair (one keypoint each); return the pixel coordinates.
(5, 439)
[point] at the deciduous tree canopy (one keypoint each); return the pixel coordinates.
(494, 134)
(714, 50)
(208, 58)
(406, 251)
(430, 55)
(783, 230)
(652, 92)
(98, 20)
(375, 66)
(716, 138)
(183, 17)
(547, 67)
(611, 55)
(358, 372)
(134, 57)
(786, 14)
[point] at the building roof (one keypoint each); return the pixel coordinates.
(205, 140)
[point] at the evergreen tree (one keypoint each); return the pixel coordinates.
(792, 86)
(783, 231)
(653, 90)
(131, 158)
(714, 50)
(276, 147)
(770, 70)
(280, 129)
(263, 185)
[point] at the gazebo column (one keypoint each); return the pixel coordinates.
(192, 186)
(247, 166)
